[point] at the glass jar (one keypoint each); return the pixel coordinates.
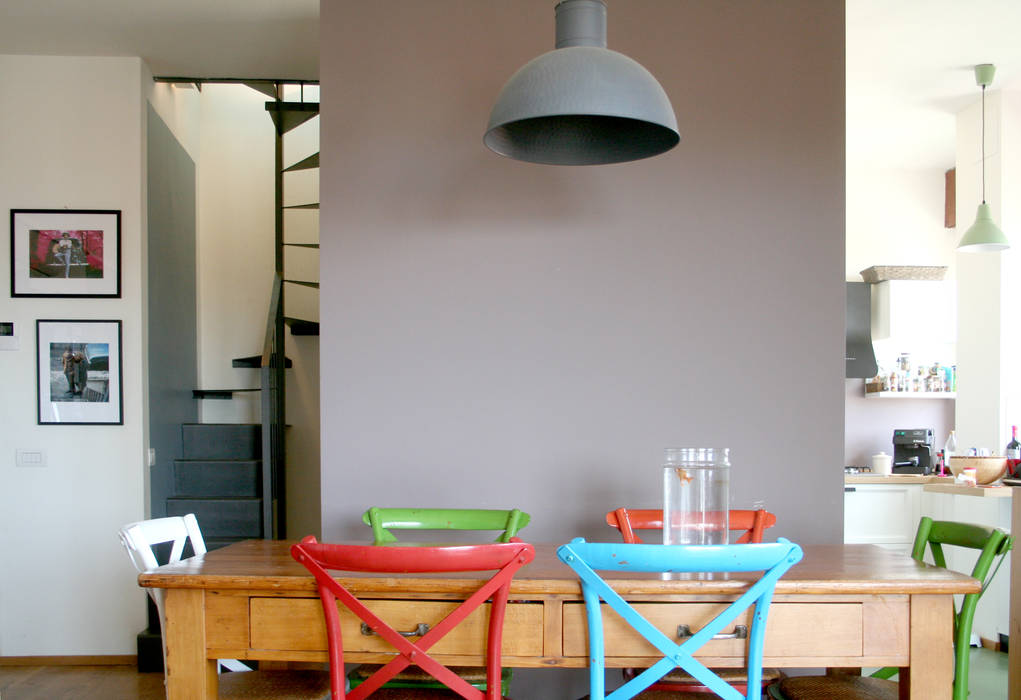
(696, 495)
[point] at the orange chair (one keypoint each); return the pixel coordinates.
(626, 520)
(678, 684)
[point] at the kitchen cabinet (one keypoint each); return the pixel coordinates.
(885, 514)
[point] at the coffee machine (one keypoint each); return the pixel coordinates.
(912, 451)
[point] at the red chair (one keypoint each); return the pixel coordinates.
(505, 558)
(626, 520)
(678, 684)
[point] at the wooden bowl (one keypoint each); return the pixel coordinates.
(987, 469)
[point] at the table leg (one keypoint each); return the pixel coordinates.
(931, 674)
(190, 675)
(1014, 630)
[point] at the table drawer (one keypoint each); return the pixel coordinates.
(793, 629)
(297, 623)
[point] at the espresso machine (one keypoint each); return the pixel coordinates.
(912, 451)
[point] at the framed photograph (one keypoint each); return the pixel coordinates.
(79, 372)
(65, 253)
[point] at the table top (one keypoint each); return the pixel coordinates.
(858, 569)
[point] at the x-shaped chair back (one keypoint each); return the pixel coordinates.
(586, 558)
(382, 520)
(992, 545)
(627, 520)
(503, 558)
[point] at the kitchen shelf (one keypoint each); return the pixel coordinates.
(911, 395)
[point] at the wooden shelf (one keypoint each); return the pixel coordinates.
(911, 395)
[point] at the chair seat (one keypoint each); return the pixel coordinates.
(731, 675)
(275, 685)
(838, 688)
(414, 694)
(472, 674)
(673, 695)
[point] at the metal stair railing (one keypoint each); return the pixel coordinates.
(273, 382)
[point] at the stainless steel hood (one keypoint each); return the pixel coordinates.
(860, 358)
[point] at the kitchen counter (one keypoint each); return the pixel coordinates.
(896, 479)
(930, 484)
(998, 491)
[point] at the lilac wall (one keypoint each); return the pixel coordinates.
(502, 334)
(869, 423)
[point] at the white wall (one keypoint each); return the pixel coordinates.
(895, 217)
(987, 291)
(71, 136)
(235, 243)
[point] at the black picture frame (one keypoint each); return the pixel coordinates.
(79, 372)
(66, 253)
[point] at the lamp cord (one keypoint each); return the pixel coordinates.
(983, 144)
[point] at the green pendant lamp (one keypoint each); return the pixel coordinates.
(984, 236)
(581, 104)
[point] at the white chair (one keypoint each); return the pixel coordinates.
(139, 539)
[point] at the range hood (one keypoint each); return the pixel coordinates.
(859, 357)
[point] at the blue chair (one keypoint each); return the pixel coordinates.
(586, 558)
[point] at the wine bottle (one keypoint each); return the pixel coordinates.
(1013, 447)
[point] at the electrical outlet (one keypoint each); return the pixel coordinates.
(30, 458)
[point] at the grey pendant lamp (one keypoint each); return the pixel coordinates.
(984, 236)
(581, 104)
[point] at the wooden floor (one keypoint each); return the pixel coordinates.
(74, 682)
(988, 681)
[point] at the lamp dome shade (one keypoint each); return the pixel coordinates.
(582, 105)
(984, 236)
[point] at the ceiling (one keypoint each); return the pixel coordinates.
(909, 62)
(910, 69)
(192, 38)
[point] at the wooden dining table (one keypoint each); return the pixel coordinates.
(841, 606)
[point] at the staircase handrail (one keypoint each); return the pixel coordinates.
(273, 402)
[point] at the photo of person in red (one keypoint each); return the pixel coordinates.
(66, 254)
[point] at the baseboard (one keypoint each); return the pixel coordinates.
(990, 644)
(113, 660)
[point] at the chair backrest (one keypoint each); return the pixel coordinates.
(504, 558)
(586, 558)
(140, 538)
(991, 543)
(627, 520)
(383, 520)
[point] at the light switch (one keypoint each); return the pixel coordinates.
(152, 456)
(30, 458)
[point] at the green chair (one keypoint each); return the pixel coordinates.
(992, 543)
(383, 520)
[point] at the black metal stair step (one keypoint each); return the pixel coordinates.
(255, 362)
(222, 394)
(288, 115)
(300, 326)
(302, 245)
(222, 517)
(303, 283)
(217, 478)
(310, 205)
(221, 441)
(309, 163)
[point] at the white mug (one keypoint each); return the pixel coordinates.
(882, 464)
